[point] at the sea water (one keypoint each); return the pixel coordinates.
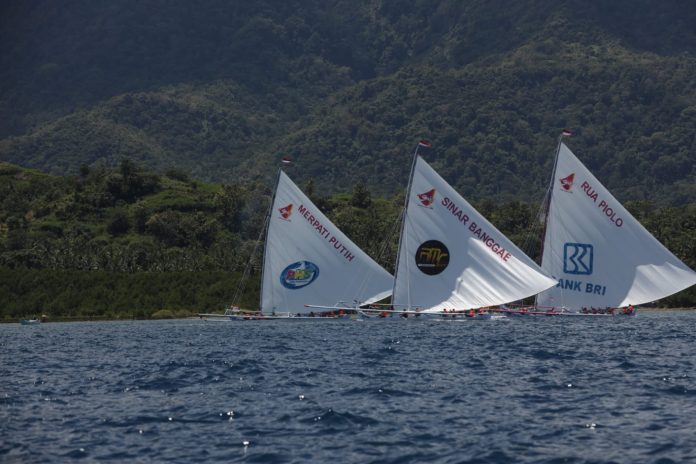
(521, 390)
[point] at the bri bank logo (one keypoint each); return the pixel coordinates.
(578, 258)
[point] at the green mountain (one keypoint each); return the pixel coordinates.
(148, 133)
(221, 90)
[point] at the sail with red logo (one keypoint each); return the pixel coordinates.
(309, 261)
(603, 258)
(451, 257)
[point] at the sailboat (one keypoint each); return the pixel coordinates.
(451, 259)
(309, 261)
(309, 265)
(605, 261)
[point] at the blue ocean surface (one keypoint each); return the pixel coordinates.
(522, 390)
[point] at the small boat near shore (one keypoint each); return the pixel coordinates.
(34, 320)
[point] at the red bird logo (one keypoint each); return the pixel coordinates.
(427, 198)
(286, 211)
(567, 182)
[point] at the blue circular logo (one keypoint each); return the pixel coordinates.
(299, 274)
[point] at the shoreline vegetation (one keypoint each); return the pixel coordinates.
(162, 314)
(126, 243)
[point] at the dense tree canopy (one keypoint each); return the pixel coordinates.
(70, 247)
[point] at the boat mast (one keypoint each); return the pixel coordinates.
(264, 233)
(421, 143)
(236, 299)
(547, 200)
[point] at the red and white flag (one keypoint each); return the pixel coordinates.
(566, 132)
(286, 160)
(425, 143)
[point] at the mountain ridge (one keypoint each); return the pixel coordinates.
(347, 89)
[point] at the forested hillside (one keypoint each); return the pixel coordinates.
(218, 90)
(139, 139)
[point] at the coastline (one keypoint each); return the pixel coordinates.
(191, 316)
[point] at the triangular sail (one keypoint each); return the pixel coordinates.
(601, 255)
(451, 257)
(308, 260)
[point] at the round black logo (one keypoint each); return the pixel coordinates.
(432, 257)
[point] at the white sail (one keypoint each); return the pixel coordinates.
(451, 257)
(600, 254)
(308, 260)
